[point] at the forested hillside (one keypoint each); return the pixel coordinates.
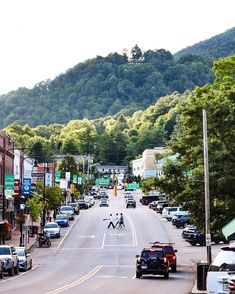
(105, 85)
(216, 47)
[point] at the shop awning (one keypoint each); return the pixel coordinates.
(229, 230)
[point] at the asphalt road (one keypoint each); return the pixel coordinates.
(90, 258)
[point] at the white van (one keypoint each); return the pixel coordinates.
(169, 212)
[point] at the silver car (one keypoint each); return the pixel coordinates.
(52, 229)
(25, 259)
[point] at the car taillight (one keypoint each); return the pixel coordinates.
(231, 284)
(174, 257)
(165, 260)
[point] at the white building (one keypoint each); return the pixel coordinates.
(146, 166)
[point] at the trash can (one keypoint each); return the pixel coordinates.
(202, 269)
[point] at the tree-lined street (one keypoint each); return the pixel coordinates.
(89, 258)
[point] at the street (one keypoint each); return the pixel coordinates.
(90, 258)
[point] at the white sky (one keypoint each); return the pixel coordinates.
(42, 38)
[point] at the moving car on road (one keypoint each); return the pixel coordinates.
(169, 253)
(131, 203)
(25, 259)
(152, 261)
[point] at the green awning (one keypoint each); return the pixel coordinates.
(229, 230)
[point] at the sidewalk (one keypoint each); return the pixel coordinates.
(15, 239)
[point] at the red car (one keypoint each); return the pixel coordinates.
(169, 253)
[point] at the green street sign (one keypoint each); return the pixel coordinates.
(9, 185)
(102, 181)
(132, 186)
(57, 176)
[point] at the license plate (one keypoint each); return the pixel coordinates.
(143, 266)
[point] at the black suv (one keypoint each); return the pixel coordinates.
(152, 261)
(145, 200)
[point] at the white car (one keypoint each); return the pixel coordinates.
(218, 272)
(25, 260)
(52, 229)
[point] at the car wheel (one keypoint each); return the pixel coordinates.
(193, 243)
(138, 275)
(173, 268)
(16, 270)
(31, 265)
(166, 275)
(58, 236)
(11, 271)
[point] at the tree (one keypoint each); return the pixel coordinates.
(68, 164)
(36, 207)
(136, 53)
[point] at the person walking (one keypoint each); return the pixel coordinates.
(121, 221)
(111, 221)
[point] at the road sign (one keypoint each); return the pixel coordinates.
(132, 186)
(102, 181)
(57, 176)
(26, 186)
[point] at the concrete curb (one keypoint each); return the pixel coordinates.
(196, 291)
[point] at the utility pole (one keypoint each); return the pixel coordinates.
(206, 182)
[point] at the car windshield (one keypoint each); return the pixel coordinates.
(49, 226)
(66, 208)
(152, 254)
(224, 261)
(5, 251)
(61, 217)
(20, 252)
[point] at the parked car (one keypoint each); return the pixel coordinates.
(188, 230)
(52, 229)
(161, 204)
(169, 253)
(169, 212)
(25, 259)
(10, 259)
(153, 205)
(218, 272)
(196, 237)
(180, 220)
(62, 220)
(67, 210)
(145, 200)
(152, 261)
(131, 203)
(75, 207)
